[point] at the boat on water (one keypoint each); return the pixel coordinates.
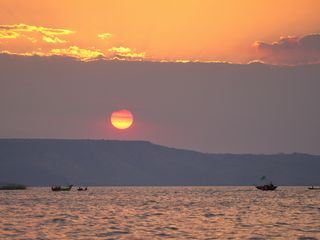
(267, 187)
(61, 188)
(13, 186)
(82, 189)
(314, 188)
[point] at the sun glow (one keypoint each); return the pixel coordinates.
(121, 119)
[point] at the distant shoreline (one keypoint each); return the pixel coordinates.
(39, 162)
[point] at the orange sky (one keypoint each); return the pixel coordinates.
(204, 30)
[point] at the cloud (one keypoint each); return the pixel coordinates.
(48, 35)
(8, 34)
(290, 50)
(53, 39)
(104, 36)
(125, 53)
(25, 54)
(39, 41)
(80, 53)
(72, 52)
(237, 103)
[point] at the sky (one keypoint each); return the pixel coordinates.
(276, 32)
(213, 76)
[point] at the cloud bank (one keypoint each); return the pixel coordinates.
(290, 50)
(211, 107)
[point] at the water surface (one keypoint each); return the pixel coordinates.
(161, 213)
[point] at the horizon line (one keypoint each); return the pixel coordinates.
(163, 61)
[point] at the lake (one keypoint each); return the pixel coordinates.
(160, 213)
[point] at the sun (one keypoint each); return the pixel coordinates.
(121, 119)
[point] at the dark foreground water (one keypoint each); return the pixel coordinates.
(161, 213)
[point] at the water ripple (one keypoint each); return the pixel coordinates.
(160, 213)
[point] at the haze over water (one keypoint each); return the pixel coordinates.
(161, 213)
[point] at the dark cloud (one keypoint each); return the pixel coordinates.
(290, 50)
(211, 107)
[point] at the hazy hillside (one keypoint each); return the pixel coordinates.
(103, 162)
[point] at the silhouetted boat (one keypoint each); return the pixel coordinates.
(61, 188)
(314, 188)
(13, 186)
(267, 187)
(82, 189)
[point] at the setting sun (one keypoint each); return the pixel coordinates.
(121, 119)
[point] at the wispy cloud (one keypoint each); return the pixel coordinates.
(52, 39)
(80, 53)
(290, 50)
(72, 52)
(42, 39)
(125, 53)
(27, 54)
(49, 35)
(104, 36)
(4, 33)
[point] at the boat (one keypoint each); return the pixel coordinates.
(13, 186)
(61, 188)
(314, 188)
(267, 187)
(82, 189)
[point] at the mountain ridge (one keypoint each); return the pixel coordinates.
(44, 162)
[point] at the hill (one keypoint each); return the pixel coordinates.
(108, 162)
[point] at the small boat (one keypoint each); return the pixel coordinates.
(314, 188)
(82, 189)
(13, 186)
(267, 187)
(61, 188)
